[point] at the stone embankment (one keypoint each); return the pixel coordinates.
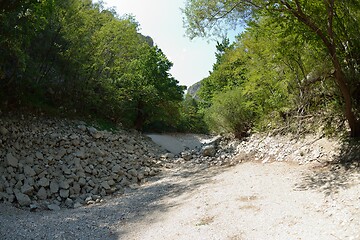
(48, 163)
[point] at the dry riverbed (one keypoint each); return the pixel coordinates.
(249, 201)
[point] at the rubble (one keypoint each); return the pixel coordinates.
(60, 163)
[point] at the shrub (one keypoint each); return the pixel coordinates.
(231, 112)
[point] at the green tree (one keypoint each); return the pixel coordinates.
(320, 20)
(191, 117)
(153, 94)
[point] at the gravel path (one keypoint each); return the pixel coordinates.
(248, 201)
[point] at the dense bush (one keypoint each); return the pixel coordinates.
(231, 112)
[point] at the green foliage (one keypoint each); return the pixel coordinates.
(295, 59)
(77, 56)
(228, 72)
(191, 118)
(231, 112)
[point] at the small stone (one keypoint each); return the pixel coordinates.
(64, 193)
(27, 189)
(11, 160)
(53, 207)
(95, 133)
(186, 156)
(69, 202)
(3, 130)
(29, 171)
(168, 156)
(98, 152)
(105, 185)
(39, 155)
(44, 182)
(77, 205)
(75, 189)
(116, 168)
(82, 181)
(133, 172)
(66, 170)
(208, 151)
(64, 185)
(54, 187)
(33, 207)
(41, 194)
(88, 198)
(90, 202)
(22, 199)
(82, 127)
(80, 154)
(111, 182)
(29, 160)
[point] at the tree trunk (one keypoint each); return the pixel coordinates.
(330, 43)
(140, 116)
(354, 123)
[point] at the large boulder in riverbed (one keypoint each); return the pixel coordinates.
(208, 151)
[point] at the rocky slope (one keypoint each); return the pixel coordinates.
(47, 163)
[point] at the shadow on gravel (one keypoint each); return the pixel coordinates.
(341, 173)
(106, 221)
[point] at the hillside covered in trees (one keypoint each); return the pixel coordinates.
(296, 66)
(77, 58)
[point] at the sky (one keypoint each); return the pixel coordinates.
(162, 20)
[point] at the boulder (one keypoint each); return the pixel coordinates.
(23, 199)
(208, 151)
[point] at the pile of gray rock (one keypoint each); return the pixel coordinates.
(227, 151)
(48, 163)
(218, 151)
(302, 150)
